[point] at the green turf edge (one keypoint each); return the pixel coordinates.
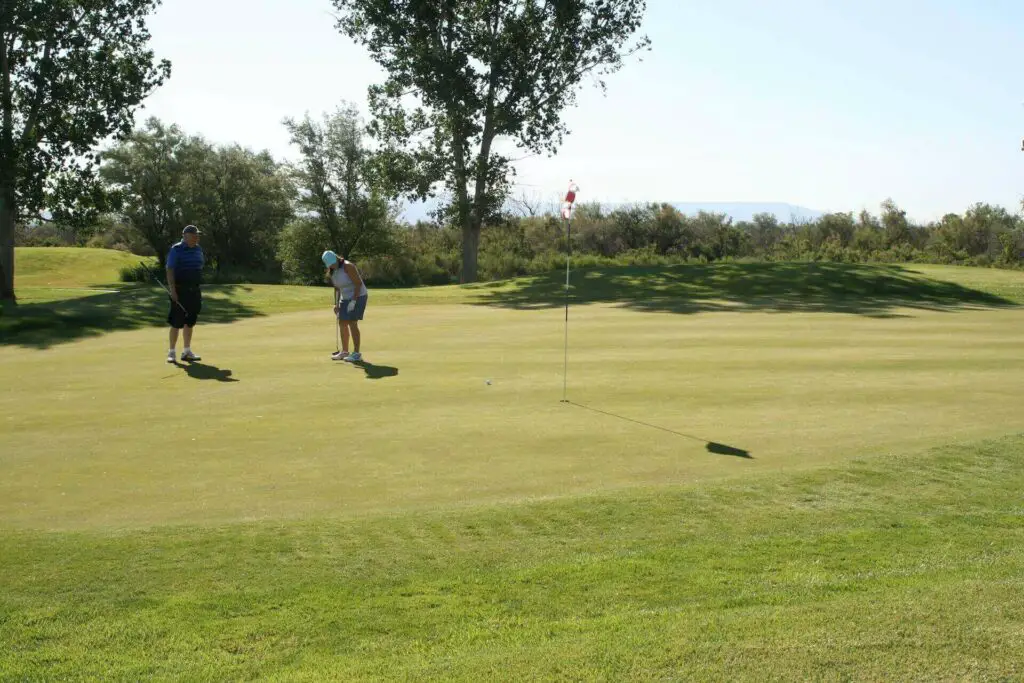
(896, 568)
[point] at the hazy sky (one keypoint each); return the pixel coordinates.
(829, 104)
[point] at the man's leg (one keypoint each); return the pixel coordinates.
(193, 304)
(174, 320)
(172, 342)
(355, 335)
(344, 336)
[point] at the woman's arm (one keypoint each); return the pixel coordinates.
(356, 280)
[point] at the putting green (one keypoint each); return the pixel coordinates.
(101, 433)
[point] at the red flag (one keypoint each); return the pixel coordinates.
(570, 197)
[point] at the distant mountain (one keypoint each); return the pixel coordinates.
(738, 211)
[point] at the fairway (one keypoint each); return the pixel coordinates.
(718, 399)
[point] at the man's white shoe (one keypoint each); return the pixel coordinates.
(354, 358)
(339, 355)
(170, 356)
(189, 356)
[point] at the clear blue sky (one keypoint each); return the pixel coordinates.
(833, 105)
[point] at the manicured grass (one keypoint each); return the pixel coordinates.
(761, 475)
(882, 569)
(101, 430)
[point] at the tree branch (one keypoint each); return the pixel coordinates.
(28, 135)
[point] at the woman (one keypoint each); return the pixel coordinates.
(350, 295)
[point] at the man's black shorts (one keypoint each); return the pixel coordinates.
(192, 299)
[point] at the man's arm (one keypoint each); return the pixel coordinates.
(171, 262)
(170, 284)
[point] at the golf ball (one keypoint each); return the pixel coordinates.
(487, 381)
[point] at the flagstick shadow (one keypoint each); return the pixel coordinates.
(710, 446)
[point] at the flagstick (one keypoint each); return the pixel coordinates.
(570, 197)
(568, 252)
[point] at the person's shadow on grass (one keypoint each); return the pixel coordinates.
(197, 370)
(376, 371)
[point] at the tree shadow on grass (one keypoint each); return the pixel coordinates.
(43, 325)
(868, 290)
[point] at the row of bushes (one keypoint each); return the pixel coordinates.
(428, 254)
(660, 235)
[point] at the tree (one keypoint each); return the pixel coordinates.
(525, 205)
(895, 224)
(338, 182)
(765, 231)
(480, 71)
(72, 73)
(983, 223)
(147, 176)
(669, 230)
(242, 199)
(162, 179)
(836, 227)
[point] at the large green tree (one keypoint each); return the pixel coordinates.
(463, 74)
(150, 178)
(72, 73)
(162, 179)
(242, 200)
(340, 188)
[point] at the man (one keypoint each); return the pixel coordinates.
(350, 296)
(184, 276)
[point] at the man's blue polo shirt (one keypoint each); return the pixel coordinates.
(186, 262)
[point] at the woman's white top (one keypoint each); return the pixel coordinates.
(342, 281)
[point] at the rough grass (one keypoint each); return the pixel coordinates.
(57, 273)
(889, 568)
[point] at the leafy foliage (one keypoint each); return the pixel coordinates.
(465, 73)
(163, 179)
(299, 247)
(72, 73)
(149, 179)
(339, 185)
(243, 200)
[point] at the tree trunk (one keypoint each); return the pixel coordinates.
(470, 248)
(474, 222)
(8, 165)
(465, 214)
(7, 220)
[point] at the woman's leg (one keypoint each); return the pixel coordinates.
(344, 336)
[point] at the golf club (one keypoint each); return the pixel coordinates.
(153, 275)
(337, 327)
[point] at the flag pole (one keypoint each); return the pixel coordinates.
(567, 206)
